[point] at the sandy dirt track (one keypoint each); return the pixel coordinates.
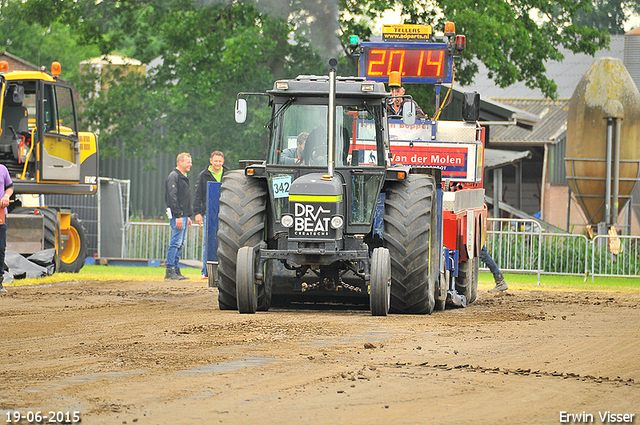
(162, 353)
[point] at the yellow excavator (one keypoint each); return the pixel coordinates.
(45, 153)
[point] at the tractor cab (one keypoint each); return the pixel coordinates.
(301, 145)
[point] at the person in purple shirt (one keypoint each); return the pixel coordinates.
(6, 188)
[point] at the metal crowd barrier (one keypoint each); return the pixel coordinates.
(522, 246)
(147, 241)
(615, 256)
(516, 245)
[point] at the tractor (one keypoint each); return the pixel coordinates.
(337, 224)
(353, 206)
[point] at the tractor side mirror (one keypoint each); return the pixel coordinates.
(18, 94)
(241, 110)
(409, 113)
(471, 106)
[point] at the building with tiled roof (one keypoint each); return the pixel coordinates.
(17, 64)
(546, 139)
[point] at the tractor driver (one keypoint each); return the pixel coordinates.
(395, 105)
(293, 156)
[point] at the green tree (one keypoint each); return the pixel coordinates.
(41, 45)
(206, 51)
(209, 54)
(607, 15)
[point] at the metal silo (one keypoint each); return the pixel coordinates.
(603, 139)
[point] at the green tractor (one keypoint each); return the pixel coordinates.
(335, 220)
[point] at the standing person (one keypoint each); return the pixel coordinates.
(501, 285)
(394, 107)
(178, 200)
(6, 186)
(213, 173)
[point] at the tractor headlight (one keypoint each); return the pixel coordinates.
(336, 221)
(286, 220)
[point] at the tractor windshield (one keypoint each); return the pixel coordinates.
(300, 135)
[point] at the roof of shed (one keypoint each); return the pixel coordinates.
(552, 114)
(495, 158)
(566, 74)
(550, 129)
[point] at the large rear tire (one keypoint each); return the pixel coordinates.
(74, 249)
(380, 284)
(409, 206)
(467, 279)
(241, 222)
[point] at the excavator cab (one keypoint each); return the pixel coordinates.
(45, 153)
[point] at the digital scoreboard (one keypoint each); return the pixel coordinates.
(417, 62)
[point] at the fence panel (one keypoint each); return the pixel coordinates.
(515, 244)
(151, 241)
(615, 256)
(564, 254)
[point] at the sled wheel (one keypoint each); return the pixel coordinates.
(467, 280)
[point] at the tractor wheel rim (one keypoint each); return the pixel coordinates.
(71, 247)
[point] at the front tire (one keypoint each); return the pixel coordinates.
(444, 277)
(409, 206)
(246, 288)
(241, 222)
(380, 283)
(265, 290)
(440, 305)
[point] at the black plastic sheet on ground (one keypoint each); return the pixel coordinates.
(40, 264)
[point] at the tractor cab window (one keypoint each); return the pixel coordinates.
(59, 114)
(300, 135)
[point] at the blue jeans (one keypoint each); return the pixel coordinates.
(204, 246)
(486, 258)
(177, 241)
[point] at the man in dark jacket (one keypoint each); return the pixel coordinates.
(213, 173)
(178, 200)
